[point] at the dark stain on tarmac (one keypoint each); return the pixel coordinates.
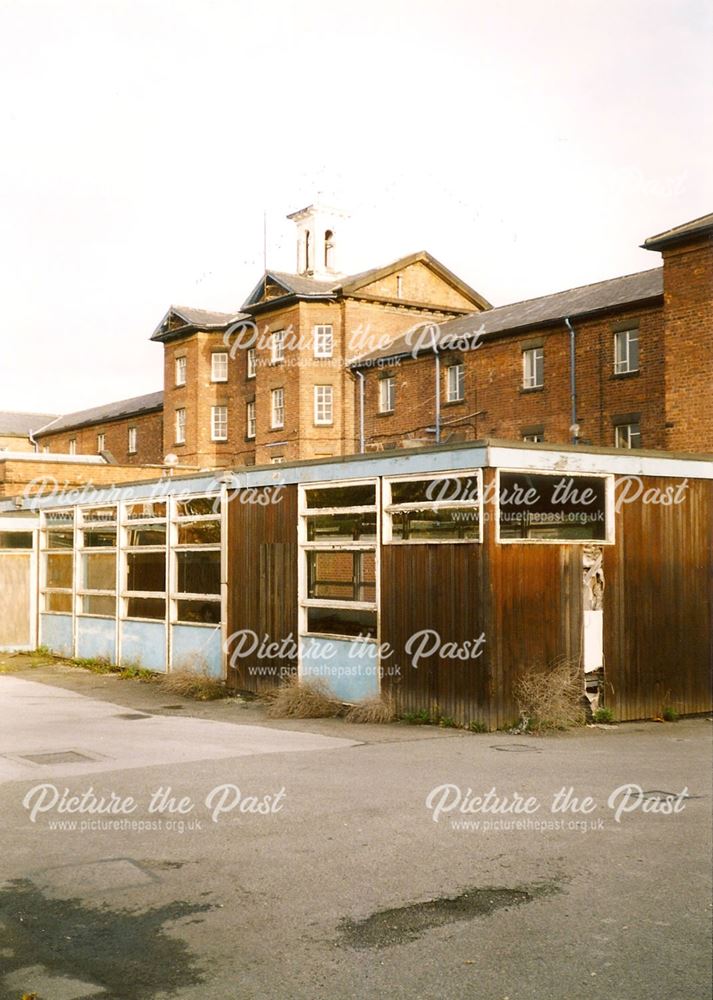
(405, 923)
(126, 953)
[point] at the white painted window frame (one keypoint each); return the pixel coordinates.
(219, 366)
(277, 346)
(455, 383)
(387, 394)
(180, 425)
(180, 369)
(623, 364)
(389, 508)
(276, 422)
(218, 421)
(530, 358)
(323, 334)
(323, 405)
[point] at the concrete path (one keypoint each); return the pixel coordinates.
(68, 734)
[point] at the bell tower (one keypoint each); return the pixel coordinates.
(318, 231)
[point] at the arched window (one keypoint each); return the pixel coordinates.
(328, 248)
(308, 251)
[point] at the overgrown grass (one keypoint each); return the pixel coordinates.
(130, 670)
(304, 699)
(379, 709)
(669, 714)
(551, 698)
(194, 684)
(476, 726)
(422, 717)
(604, 715)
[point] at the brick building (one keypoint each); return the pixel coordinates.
(318, 364)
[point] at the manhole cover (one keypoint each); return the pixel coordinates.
(132, 715)
(517, 748)
(57, 757)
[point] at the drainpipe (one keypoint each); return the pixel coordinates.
(572, 382)
(360, 376)
(438, 394)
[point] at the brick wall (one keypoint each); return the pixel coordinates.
(688, 312)
(497, 405)
(149, 432)
(49, 478)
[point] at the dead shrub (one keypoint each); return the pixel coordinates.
(378, 709)
(551, 698)
(304, 699)
(194, 684)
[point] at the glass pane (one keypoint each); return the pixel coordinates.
(207, 612)
(58, 602)
(15, 539)
(198, 506)
(341, 576)
(59, 569)
(98, 515)
(146, 607)
(198, 572)
(99, 571)
(57, 518)
(146, 571)
(552, 506)
(150, 534)
(147, 510)
(99, 538)
(199, 533)
(93, 605)
(341, 621)
(342, 496)
(445, 489)
(341, 527)
(60, 539)
(436, 525)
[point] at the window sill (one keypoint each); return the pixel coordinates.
(454, 402)
(531, 388)
(385, 413)
(615, 376)
(329, 423)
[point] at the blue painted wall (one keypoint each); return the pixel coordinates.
(56, 633)
(144, 643)
(96, 637)
(350, 667)
(196, 648)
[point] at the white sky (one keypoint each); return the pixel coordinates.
(530, 145)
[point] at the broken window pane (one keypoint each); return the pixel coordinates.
(198, 506)
(341, 621)
(552, 507)
(146, 510)
(150, 534)
(363, 495)
(198, 572)
(146, 571)
(98, 571)
(99, 538)
(205, 612)
(146, 607)
(60, 539)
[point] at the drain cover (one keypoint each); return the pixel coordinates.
(57, 757)
(132, 715)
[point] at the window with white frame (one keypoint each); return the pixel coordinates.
(97, 547)
(277, 408)
(323, 405)
(57, 562)
(553, 507)
(628, 435)
(251, 362)
(626, 351)
(387, 394)
(72, 446)
(250, 419)
(534, 437)
(277, 460)
(143, 559)
(533, 368)
(455, 383)
(133, 440)
(339, 535)
(219, 366)
(428, 509)
(323, 340)
(101, 443)
(219, 423)
(277, 346)
(181, 425)
(195, 589)
(181, 363)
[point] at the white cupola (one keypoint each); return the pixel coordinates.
(317, 240)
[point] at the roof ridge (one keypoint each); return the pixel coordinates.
(574, 288)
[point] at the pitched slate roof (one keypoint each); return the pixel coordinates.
(534, 312)
(179, 320)
(304, 286)
(697, 227)
(20, 424)
(101, 414)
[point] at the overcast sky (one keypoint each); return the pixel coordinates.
(530, 146)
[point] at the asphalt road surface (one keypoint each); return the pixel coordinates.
(154, 847)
